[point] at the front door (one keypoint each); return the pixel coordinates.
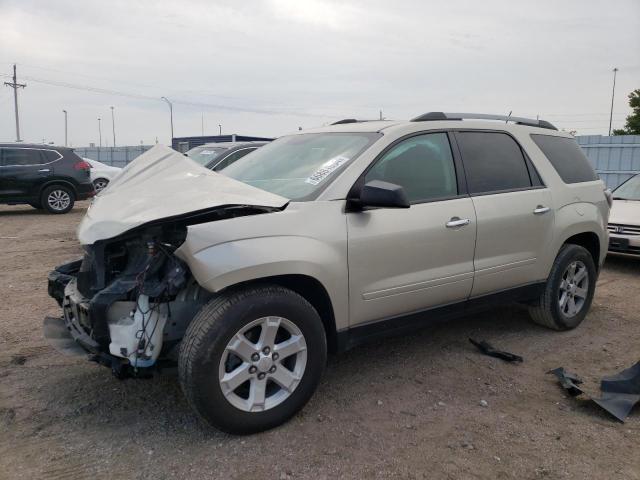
(406, 260)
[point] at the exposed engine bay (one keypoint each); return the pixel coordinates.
(129, 300)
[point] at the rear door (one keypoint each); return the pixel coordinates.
(23, 170)
(406, 260)
(513, 210)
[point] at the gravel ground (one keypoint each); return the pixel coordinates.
(425, 405)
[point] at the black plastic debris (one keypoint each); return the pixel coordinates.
(627, 381)
(488, 349)
(568, 380)
(620, 393)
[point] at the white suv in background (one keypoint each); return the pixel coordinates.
(101, 174)
(324, 239)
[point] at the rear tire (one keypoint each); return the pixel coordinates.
(569, 290)
(100, 184)
(230, 367)
(57, 199)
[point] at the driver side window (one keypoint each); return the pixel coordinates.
(422, 165)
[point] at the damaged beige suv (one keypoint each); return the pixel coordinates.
(322, 240)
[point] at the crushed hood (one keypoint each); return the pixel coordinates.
(163, 183)
(625, 212)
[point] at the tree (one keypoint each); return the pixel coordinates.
(632, 127)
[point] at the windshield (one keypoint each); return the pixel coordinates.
(204, 154)
(629, 190)
(299, 166)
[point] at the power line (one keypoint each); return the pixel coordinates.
(137, 96)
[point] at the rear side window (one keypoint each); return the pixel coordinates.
(50, 156)
(566, 157)
(493, 162)
(21, 156)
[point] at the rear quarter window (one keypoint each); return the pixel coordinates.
(566, 157)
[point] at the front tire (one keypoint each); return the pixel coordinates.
(569, 290)
(251, 359)
(57, 199)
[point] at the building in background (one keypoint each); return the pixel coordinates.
(184, 144)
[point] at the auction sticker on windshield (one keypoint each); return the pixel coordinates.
(326, 169)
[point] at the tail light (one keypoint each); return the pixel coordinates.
(82, 165)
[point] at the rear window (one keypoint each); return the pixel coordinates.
(567, 158)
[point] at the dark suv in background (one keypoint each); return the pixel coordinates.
(43, 176)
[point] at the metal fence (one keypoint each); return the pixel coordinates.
(115, 156)
(615, 158)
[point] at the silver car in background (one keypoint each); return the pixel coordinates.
(217, 156)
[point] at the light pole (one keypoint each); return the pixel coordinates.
(170, 113)
(100, 130)
(220, 128)
(613, 93)
(65, 127)
(113, 126)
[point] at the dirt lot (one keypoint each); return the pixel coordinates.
(407, 407)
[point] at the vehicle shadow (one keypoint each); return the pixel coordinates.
(89, 397)
(623, 263)
(27, 210)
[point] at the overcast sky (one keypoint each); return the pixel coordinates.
(266, 67)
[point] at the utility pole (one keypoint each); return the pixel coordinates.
(65, 127)
(100, 130)
(613, 93)
(15, 85)
(220, 128)
(171, 114)
(113, 126)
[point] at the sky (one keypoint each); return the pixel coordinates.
(268, 67)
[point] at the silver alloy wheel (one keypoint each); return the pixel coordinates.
(58, 200)
(100, 184)
(263, 364)
(574, 289)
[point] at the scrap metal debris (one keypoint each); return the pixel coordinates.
(620, 392)
(568, 380)
(488, 349)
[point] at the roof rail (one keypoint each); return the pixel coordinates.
(431, 116)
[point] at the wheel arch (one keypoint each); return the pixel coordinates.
(588, 240)
(57, 181)
(312, 290)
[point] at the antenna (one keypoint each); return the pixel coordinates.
(508, 116)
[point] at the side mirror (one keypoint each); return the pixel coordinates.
(377, 193)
